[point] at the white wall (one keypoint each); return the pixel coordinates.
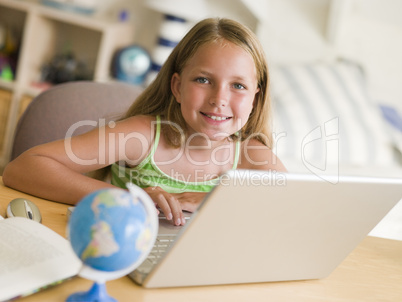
(368, 31)
(373, 36)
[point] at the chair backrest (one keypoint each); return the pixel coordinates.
(51, 114)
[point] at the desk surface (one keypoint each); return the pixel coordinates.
(372, 272)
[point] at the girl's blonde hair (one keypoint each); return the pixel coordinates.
(157, 98)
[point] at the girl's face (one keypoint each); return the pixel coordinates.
(216, 89)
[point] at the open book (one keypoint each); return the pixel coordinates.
(32, 257)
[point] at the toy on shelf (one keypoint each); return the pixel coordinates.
(77, 6)
(8, 54)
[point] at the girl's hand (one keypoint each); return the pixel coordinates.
(189, 201)
(168, 203)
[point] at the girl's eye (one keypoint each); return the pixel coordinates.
(239, 86)
(202, 80)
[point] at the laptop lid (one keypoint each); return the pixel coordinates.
(260, 227)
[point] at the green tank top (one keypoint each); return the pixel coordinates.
(148, 174)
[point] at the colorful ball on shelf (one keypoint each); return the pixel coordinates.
(131, 64)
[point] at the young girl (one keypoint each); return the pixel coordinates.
(206, 112)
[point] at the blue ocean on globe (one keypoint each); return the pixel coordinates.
(109, 230)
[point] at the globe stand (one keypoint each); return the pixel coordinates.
(97, 293)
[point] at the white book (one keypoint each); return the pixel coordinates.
(32, 257)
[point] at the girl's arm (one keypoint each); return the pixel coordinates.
(56, 170)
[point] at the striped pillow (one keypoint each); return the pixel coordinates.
(324, 116)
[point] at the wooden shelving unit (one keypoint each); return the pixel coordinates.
(42, 33)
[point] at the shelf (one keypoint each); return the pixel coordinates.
(44, 32)
(94, 23)
(7, 85)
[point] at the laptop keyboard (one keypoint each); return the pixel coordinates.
(167, 235)
(162, 243)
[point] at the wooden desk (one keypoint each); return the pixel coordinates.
(372, 272)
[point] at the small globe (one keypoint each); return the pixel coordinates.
(112, 230)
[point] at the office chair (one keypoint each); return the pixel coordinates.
(49, 116)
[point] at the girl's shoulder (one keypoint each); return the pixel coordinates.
(141, 124)
(256, 155)
(136, 134)
(141, 120)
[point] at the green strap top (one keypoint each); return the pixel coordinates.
(148, 174)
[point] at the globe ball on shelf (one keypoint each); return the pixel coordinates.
(112, 231)
(131, 64)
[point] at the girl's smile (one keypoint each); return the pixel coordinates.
(216, 89)
(215, 118)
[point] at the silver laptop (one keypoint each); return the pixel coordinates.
(261, 227)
